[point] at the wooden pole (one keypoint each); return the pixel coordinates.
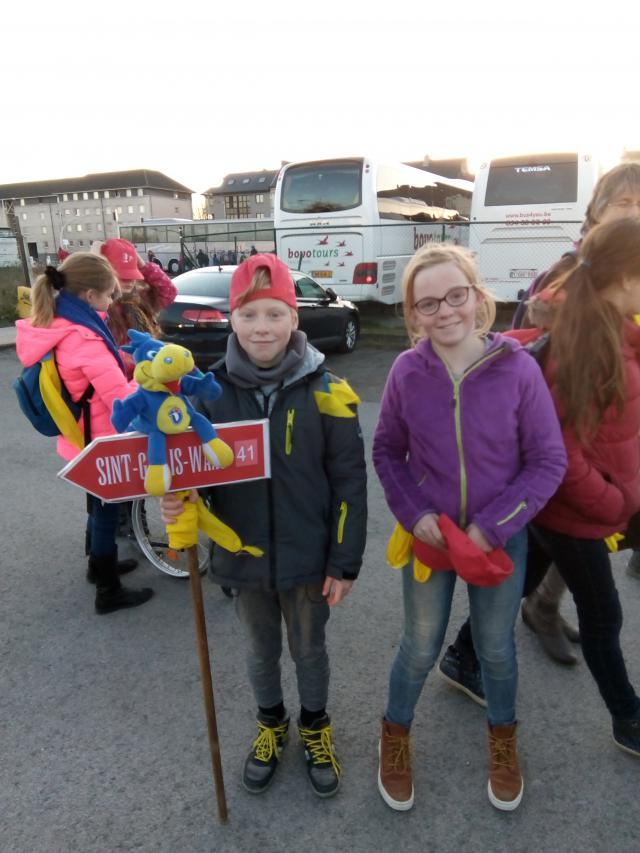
(207, 684)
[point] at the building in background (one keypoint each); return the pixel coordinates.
(73, 212)
(243, 195)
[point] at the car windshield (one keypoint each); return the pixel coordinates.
(203, 284)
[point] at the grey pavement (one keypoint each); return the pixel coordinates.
(102, 729)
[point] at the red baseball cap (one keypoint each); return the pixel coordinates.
(282, 286)
(469, 562)
(123, 257)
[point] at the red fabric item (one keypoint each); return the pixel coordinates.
(524, 336)
(62, 254)
(123, 257)
(282, 286)
(468, 561)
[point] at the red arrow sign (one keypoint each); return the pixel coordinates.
(113, 467)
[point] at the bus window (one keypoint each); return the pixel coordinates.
(322, 187)
(520, 182)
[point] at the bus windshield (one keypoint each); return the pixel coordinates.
(549, 181)
(322, 187)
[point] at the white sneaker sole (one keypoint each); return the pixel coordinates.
(396, 805)
(504, 805)
(462, 688)
(626, 749)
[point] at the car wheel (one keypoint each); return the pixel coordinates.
(173, 266)
(349, 336)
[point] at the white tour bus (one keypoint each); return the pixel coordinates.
(526, 212)
(354, 222)
(168, 237)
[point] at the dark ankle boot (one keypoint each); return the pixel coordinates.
(124, 567)
(541, 613)
(110, 594)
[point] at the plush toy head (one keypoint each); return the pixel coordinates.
(157, 363)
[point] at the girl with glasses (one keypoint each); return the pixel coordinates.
(455, 436)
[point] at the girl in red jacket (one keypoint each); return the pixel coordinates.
(69, 304)
(594, 374)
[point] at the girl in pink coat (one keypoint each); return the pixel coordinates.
(69, 304)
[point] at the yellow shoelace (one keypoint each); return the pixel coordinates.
(320, 746)
(269, 741)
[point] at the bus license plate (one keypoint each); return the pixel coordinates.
(322, 273)
(522, 273)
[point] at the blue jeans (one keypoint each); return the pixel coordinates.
(586, 569)
(103, 526)
(305, 612)
(427, 607)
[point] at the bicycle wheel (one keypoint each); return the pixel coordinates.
(151, 536)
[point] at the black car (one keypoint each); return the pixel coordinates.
(199, 319)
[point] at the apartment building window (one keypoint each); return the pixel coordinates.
(67, 211)
(88, 227)
(75, 196)
(77, 211)
(106, 193)
(42, 214)
(65, 197)
(130, 208)
(259, 215)
(69, 227)
(80, 242)
(107, 210)
(97, 211)
(87, 211)
(79, 227)
(44, 229)
(237, 207)
(175, 195)
(259, 198)
(24, 216)
(99, 226)
(96, 194)
(141, 208)
(118, 210)
(85, 196)
(140, 192)
(22, 202)
(46, 244)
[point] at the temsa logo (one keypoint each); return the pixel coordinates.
(533, 168)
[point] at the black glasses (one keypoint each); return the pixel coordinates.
(455, 297)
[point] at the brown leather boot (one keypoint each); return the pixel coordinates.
(541, 613)
(395, 782)
(505, 780)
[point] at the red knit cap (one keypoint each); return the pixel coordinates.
(282, 286)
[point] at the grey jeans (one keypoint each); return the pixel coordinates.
(305, 612)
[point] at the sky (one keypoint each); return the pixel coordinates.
(200, 90)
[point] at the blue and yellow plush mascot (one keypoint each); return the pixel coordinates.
(159, 407)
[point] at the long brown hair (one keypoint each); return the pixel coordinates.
(586, 339)
(135, 310)
(623, 178)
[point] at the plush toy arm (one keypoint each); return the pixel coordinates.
(124, 411)
(204, 386)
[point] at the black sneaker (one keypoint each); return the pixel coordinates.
(322, 763)
(626, 735)
(463, 675)
(262, 761)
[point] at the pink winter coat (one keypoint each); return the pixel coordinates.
(82, 358)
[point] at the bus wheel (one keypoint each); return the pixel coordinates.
(173, 266)
(349, 336)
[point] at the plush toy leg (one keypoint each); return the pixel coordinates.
(158, 477)
(217, 451)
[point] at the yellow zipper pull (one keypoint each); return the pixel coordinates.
(288, 442)
(341, 521)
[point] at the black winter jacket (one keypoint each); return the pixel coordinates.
(310, 517)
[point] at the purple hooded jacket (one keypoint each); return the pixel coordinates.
(485, 448)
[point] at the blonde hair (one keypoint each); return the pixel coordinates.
(433, 256)
(81, 271)
(261, 281)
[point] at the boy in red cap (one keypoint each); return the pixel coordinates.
(309, 518)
